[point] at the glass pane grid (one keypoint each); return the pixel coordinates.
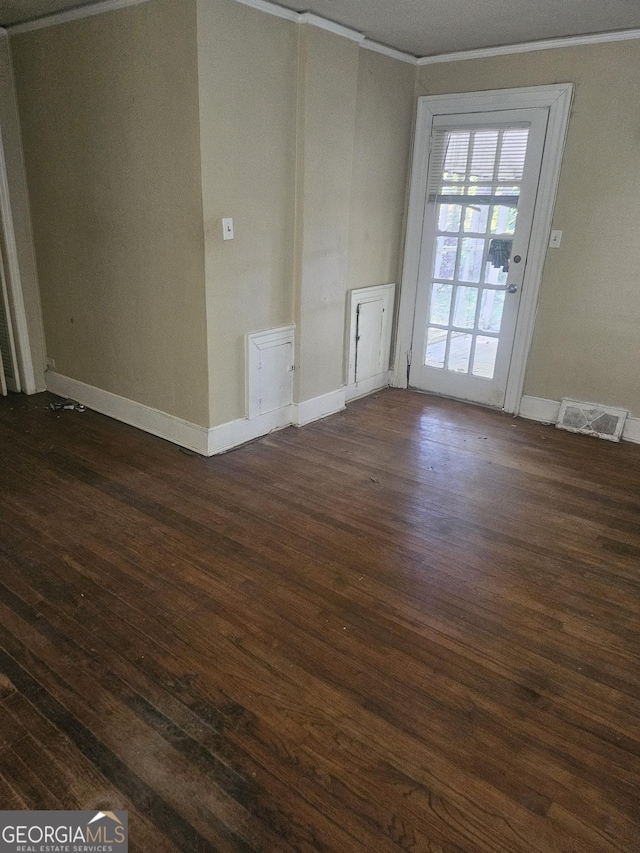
(467, 294)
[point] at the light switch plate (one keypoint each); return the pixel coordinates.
(227, 228)
(555, 239)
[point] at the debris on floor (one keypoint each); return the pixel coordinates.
(67, 406)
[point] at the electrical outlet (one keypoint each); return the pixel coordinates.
(555, 239)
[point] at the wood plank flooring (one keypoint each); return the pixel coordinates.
(412, 626)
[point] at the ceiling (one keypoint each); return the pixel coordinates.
(429, 27)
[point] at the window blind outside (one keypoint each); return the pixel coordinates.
(483, 166)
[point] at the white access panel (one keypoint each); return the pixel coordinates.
(369, 334)
(369, 323)
(270, 362)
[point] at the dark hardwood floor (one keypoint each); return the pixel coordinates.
(412, 626)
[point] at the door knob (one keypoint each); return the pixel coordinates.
(513, 288)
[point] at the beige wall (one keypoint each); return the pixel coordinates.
(109, 112)
(144, 128)
(281, 108)
(586, 342)
(247, 68)
(384, 113)
(326, 126)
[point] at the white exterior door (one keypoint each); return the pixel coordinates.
(484, 170)
(484, 176)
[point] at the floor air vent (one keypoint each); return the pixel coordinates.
(591, 419)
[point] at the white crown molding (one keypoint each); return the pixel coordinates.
(272, 9)
(389, 51)
(330, 26)
(526, 47)
(103, 6)
(72, 15)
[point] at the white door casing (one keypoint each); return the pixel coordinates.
(3, 381)
(556, 99)
(10, 379)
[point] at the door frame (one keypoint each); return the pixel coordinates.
(557, 99)
(25, 317)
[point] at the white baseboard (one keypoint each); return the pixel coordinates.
(205, 441)
(234, 433)
(138, 415)
(631, 431)
(367, 386)
(319, 407)
(546, 412)
(539, 409)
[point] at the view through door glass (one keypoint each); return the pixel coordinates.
(477, 208)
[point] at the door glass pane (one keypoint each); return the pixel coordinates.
(495, 275)
(478, 189)
(514, 147)
(484, 360)
(446, 248)
(471, 259)
(449, 218)
(464, 313)
(459, 352)
(436, 344)
(475, 218)
(440, 303)
(509, 190)
(491, 308)
(503, 219)
(455, 163)
(485, 144)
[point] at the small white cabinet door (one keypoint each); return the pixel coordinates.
(275, 377)
(369, 318)
(369, 324)
(270, 359)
